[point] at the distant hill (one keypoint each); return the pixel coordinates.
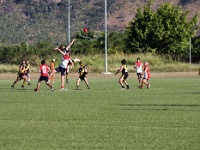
(33, 20)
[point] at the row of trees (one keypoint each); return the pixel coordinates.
(165, 31)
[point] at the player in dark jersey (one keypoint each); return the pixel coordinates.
(82, 71)
(28, 72)
(22, 74)
(124, 76)
(69, 66)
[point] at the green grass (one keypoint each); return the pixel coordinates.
(166, 116)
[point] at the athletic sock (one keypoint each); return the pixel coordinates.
(127, 86)
(49, 85)
(67, 76)
(24, 82)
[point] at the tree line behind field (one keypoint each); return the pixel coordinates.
(95, 63)
(165, 31)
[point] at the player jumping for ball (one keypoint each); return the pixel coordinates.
(62, 68)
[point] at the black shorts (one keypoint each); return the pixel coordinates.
(125, 76)
(139, 75)
(61, 70)
(21, 76)
(44, 78)
(82, 77)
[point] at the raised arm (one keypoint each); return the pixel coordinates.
(59, 50)
(68, 47)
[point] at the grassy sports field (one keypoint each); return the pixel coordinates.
(166, 116)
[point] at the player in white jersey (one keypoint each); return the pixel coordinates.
(63, 65)
(139, 69)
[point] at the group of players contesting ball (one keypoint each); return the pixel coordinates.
(47, 73)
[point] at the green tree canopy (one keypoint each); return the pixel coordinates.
(165, 31)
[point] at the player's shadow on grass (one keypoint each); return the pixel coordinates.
(171, 105)
(22, 90)
(195, 92)
(192, 92)
(176, 107)
(26, 90)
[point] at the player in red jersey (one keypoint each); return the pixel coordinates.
(44, 70)
(146, 77)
